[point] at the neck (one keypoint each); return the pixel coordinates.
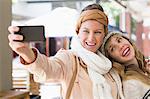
(132, 62)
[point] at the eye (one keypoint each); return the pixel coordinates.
(119, 40)
(112, 49)
(98, 32)
(85, 31)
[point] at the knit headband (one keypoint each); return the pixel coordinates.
(107, 37)
(94, 14)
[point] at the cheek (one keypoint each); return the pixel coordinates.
(100, 39)
(82, 39)
(82, 35)
(115, 55)
(133, 51)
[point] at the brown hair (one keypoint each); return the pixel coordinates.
(93, 12)
(93, 6)
(130, 72)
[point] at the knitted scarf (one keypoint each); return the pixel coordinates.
(97, 65)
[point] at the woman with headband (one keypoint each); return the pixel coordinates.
(82, 71)
(130, 63)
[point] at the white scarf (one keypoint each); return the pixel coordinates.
(97, 65)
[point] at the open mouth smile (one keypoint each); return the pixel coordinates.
(90, 44)
(126, 51)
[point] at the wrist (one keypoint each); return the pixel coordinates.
(30, 58)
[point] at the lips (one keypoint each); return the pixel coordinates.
(126, 51)
(90, 44)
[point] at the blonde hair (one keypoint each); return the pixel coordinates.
(130, 72)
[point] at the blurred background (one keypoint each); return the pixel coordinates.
(131, 17)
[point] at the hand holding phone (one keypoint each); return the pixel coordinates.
(32, 33)
(23, 49)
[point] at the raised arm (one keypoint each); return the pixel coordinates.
(20, 48)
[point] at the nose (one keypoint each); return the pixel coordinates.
(91, 36)
(119, 46)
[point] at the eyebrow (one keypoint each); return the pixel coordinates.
(99, 29)
(117, 38)
(96, 29)
(84, 28)
(108, 46)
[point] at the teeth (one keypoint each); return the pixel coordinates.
(91, 44)
(125, 51)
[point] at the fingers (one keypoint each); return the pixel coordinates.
(13, 29)
(148, 64)
(13, 37)
(148, 69)
(148, 60)
(16, 45)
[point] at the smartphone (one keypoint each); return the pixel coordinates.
(32, 33)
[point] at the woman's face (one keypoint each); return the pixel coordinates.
(120, 49)
(91, 34)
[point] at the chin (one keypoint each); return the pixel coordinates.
(90, 50)
(94, 51)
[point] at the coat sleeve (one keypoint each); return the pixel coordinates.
(51, 69)
(132, 89)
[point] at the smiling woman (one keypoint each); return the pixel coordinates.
(82, 71)
(130, 64)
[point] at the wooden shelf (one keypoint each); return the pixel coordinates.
(14, 94)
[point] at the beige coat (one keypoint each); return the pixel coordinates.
(60, 68)
(135, 89)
